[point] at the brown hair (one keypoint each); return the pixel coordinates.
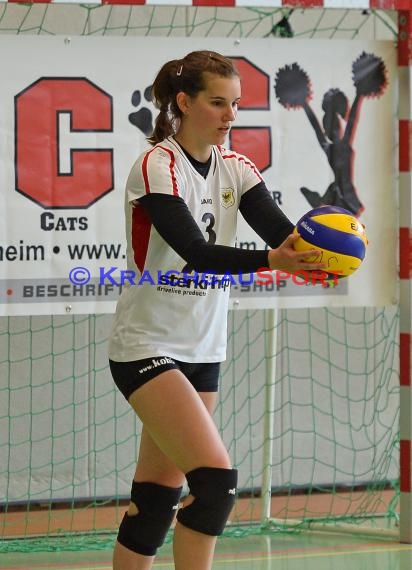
(185, 75)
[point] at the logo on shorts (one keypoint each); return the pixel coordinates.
(162, 360)
(155, 362)
(227, 197)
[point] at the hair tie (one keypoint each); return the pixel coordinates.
(179, 71)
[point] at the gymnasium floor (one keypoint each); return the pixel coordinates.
(309, 551)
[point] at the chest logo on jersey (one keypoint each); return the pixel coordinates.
(227, 197)
(206, 201)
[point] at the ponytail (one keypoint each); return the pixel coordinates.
(164, 90)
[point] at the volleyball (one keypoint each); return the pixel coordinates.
(338, 236)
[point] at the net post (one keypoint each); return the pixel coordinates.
(405, 266)
(271, 317)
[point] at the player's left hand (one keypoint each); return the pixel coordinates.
(286, 258)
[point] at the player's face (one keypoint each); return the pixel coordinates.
(211, 113)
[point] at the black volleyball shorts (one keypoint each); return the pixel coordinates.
(129, 376)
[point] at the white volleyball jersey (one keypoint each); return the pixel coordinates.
(185, 319)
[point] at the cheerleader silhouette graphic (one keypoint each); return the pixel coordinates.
(336, 134)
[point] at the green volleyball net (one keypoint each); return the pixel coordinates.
(309, 405)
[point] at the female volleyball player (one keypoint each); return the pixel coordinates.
(169, 331)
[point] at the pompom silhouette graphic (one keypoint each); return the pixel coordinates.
(292, 86)
(369, 75)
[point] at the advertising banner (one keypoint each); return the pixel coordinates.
(317, 117)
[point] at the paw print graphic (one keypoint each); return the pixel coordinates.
(143, 117)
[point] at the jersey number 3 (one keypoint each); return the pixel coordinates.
(209, 220)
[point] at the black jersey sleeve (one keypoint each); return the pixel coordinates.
(174, 222)
(263, 215)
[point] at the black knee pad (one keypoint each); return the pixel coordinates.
(214, 492)
(146, 531)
